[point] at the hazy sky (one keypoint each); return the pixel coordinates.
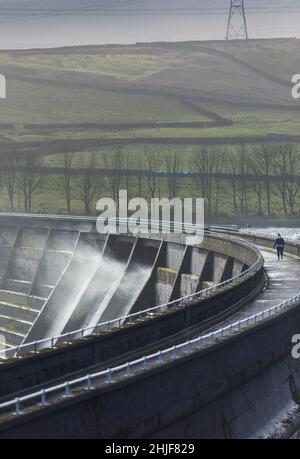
(40, 23)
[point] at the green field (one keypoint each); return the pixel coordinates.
(209, 89)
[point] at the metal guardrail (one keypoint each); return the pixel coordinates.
(131, 319)
(129, 369)
(270, 236)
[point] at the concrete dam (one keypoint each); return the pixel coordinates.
(117, 336)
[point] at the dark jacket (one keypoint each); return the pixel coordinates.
(279, 242)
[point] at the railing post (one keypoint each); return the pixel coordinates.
(89, 384)
(43, 398)
(109, 375)
(174, 352)
(128, 369)
(67, 389)
(160, 357)
(145, 363)
(18, 406)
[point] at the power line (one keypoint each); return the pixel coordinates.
(116, 8)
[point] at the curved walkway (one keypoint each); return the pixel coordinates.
(283, 283)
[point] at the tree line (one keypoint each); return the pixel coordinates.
(262, 180)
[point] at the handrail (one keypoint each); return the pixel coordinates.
(108, 326)
(130, 369)
(159, 358)
(268, 236)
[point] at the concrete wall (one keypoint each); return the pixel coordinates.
(135, 278)
(231, 378)
(86, 312)
(19, 374)
(35, 370)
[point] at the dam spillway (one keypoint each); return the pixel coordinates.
(224, 336)
(57, 277)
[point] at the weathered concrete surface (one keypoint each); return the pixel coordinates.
(28, 372)
(134, 280)
(231, 390)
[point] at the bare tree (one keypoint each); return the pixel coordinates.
(127, 169)
(218, 169)
(139, 172)
(153, 162)
(31, 180)
(89, 184)
(9, 175)
(238, 167)
(263, 159)
(173, 164)
(286, 168)
(203, 164)
(243, 180)
(66, 178)
(256, 180)
(233, 170)
(115, 163)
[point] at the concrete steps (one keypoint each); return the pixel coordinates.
(43, 290)
(19, 312)
(18, 285)
(12, 338)
(15, 325)
(21, 299)
(36, 302)
(23, 266)
(46, 278)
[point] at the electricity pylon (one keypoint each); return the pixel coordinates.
(237, 24)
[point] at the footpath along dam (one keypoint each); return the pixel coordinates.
(116, 336)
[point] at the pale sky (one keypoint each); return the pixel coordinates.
(46, 23)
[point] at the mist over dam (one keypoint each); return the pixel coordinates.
(98, 324)
(60, 278)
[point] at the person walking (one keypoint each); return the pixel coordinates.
(279, 246)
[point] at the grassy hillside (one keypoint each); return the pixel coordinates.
(177, 91)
